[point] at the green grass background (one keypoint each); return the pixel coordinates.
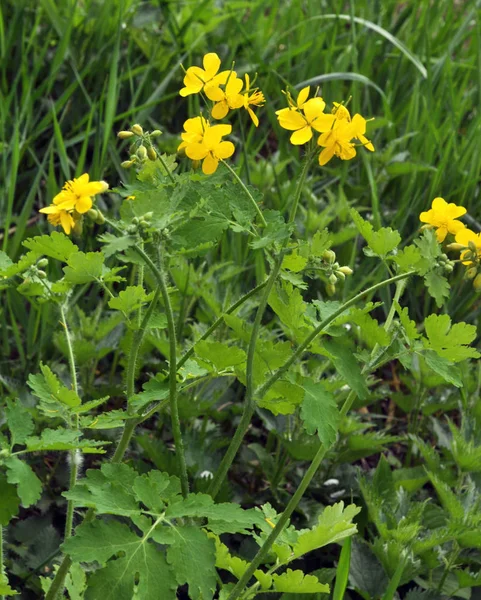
(73, 73)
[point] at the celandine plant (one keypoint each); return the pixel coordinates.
(142, 534)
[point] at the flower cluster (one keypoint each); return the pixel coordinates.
(75, 199)
(142, 147)
(337, 129)
(443, 217)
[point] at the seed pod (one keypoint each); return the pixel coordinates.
(125, 135)
(477, 283)
(156, 133)
(329, 255)
(127, 164)
(137, 129)
(43, 262)
(330, 289)
(151, 153)
(346, 270)
(333, 279)
(142, 152)
(471, 273)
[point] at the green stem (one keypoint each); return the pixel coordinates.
(2, 570)
(174, 409)
(218, 322)
(311, 337)
(246, 190)
(300, 185)
(249, 404)
(74, 454)
(291, 506)
(169, 174)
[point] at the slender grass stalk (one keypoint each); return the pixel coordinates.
(246, 190)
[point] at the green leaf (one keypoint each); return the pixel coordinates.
(5, 261)
(319, 412)
(277, 230)
(294, 262)
(5, 588)
(114, 244)
(449, 500)
(444, 367)
(438, 286)
(320, 243)
(63, 439)
(84, 268)
(200, 231)
(56, 245)
(192, 556)
(296, 581)
(130, 299)
(19, 421)
(380, 242)
(409, 326)
(26, 261)
(346, 365)
(366, 573)
(409, 258)
(450, 342)
(219, 354)
(49, 390)
(140, 565)
(430, 249)
(29, 485)
(9, 501)
(224, 560)
(334, 524)
(286, 301)
(76, 582)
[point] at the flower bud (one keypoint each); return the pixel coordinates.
(449, 268)
(156, 133)
(77, 229)
(148, 216)
(471, 273)
(137, 129)
(125, 135)
(127, 164)
(455, 247)
(100, 220)
(444, 256)
(472, 247)
(92, 214)
(335, 266)
(330, 289)
(346, 270)
(340, 275)
(41, 274)
(332, 279)
(477, 283)
(132, 148)
(329, 255)
(143, 223)
(135, 220)
(142, 152)
(43, 262)
(151, 153)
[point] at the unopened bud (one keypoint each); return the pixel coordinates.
(471, 273)
(43, 262)
(142, 152)
(125, 135)
(335, 266)
(148, 216)
(92, 214)
(455, 247)
(449, 268)
(100, 220)
(137, 129)
(151, 153)
(143, 223)
(135, 220)
(472, 247)
(340, 275)
(41, 274)
(477, 283)
(156, 133)
(333, 279)
(444, 256)
(330, 289)
(346, 270)
(329, 255)
(77, 229)
(132, 148)
(127, 164)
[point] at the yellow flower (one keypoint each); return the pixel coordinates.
(58, 216)
(204, 142)
(256, 99)
(77, 194)
(304, 116)
(301, 99)
(443, 217)
(74, 200)
(196, 78)
(338, 140)
(228, 99)
(466, 237)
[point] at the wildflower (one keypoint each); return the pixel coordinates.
(228, 99)
(341, 112)
(301, 99)
(197, 79)
(74, 200)
(305, 116)
(358, 125)
(338, 140)
(256, 99)
(204, 142)
(471, 241)
(443, 217)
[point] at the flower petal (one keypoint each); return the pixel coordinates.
(326, 155)
(196, 151)
(313, 108)
(465, 235)
(67, 222)
(439, 204)
(303, 96)
(323, 123)
(210, 164)
(211, 64)
(441, 234)
(301, 136)
(225, 150)
(291, 120)
(220, 110)
(253, 116)
(213, 92)
(83, 204)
